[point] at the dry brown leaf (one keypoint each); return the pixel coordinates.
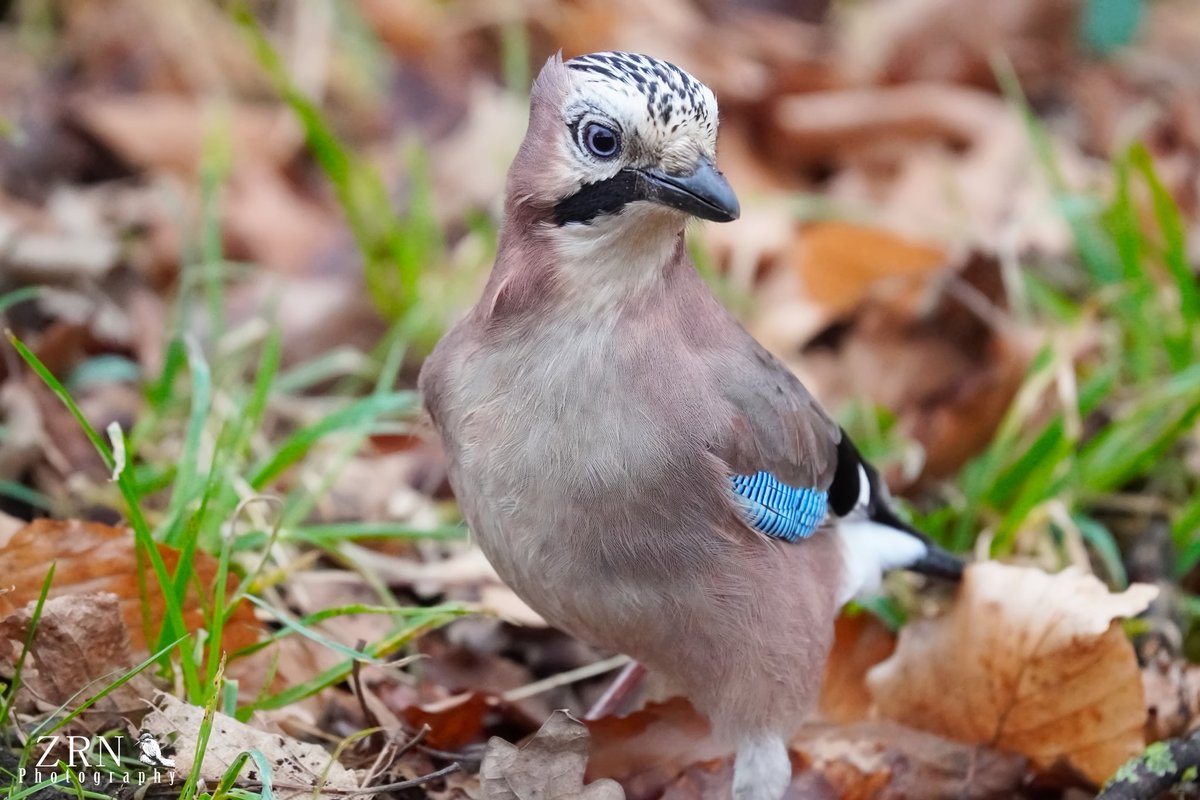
(410, 27)
(934, 161)
(884, 759)
(315, 313)
(165, 132)
(842, 262)
(550, 766)
(92, 557)
(453, 722)
(859, 642)
(1172, 687)
(649, 748)
(842, 121)
(900, 41)
(935, 349)
(191, 47)
(79, 647)
(465, 575)
(712, 780)
(266, 220)
(297, 766)
(9, 527)
(667, 749)
(1027, 662)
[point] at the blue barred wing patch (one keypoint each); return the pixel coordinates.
(779, 510)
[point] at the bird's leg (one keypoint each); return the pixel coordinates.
(617, 692)
(761, 768)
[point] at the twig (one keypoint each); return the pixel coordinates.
(356, 682)
(383, 787)
(472, 754)
(1161, 766)
(416, 740)
(617, 692)
(564, 678)
(395, 787)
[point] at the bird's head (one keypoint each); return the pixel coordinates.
(620, 141)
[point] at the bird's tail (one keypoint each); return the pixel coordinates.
(935, 562)
(875, 537)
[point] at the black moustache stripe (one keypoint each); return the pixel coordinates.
(602, 197)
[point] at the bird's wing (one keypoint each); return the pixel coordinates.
(792, 467)
(781, 448)
(776, 426)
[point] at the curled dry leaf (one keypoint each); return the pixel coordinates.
(79, 647)
(901, 41)
(549, 766)
(1027, 662)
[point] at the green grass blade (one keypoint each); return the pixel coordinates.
(174, 623)
(212, 695)
(23, 494)
(299, 628)
(1101, 540)
(298, 444)
(1174, 231)
(189, 483)
(34, 619)
(339, 672)
(17, 296)
(393, 274)
(265, 773)
(333, 532)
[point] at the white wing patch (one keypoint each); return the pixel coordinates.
(864, 488)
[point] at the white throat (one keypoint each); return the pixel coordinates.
(616, 256)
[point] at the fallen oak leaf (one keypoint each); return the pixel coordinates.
(1039, 664)
(550, 766)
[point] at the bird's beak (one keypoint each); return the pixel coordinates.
(704, 193)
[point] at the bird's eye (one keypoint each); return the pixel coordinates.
(601, 140)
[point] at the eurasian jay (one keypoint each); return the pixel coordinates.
(633, 463)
